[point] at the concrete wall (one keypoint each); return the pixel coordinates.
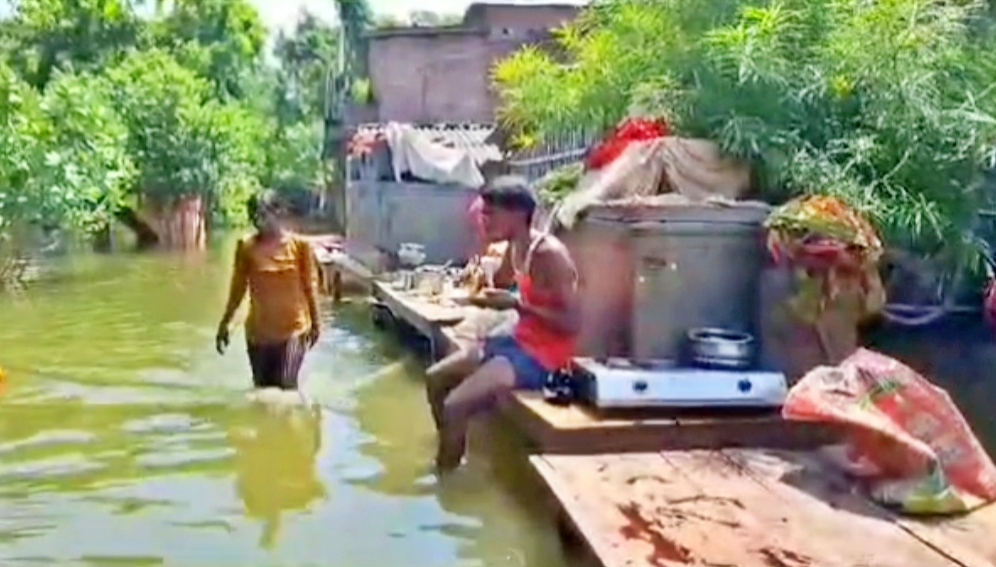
(381, 215)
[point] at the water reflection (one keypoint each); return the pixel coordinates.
(275, 463)
(125, 440)
(494, 506)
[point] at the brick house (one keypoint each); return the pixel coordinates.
(441, 74)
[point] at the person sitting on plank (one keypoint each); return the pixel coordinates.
(278, 269)
(542, 340)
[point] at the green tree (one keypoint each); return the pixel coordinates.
(63, 162)
(89, 161)
(101, 106)
(221, 40)
(304, 57)
(45, 35)
(185, 141)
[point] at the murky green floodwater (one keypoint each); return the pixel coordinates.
(125, 440)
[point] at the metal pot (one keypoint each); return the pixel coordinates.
(721, 348)
(431, 280)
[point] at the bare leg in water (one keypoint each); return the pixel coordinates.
(477, 393)
(445, 375)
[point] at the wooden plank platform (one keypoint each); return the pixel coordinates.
(428, 318)
(741, 508)
(578, 429)
(421, 314)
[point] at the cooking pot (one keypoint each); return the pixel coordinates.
(721, 348)
(431, 279)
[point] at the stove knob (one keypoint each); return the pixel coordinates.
(744, 385)
(640, 386)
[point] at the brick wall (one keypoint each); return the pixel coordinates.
(443, 75)
(431, 77)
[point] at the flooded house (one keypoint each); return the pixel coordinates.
(434, 83)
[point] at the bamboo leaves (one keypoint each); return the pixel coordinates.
(888, 104)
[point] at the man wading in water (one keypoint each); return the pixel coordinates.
(278, 269)
(542, 340)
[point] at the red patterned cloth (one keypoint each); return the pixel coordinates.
(630, 130)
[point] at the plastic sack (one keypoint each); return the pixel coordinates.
(630, 130)
(903, 434)
(637, 172)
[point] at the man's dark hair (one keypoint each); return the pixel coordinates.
(266, 200)
(511, 193)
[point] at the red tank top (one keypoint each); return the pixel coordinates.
(551, 347)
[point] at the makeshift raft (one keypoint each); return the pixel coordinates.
(648, 489)
(747, 508)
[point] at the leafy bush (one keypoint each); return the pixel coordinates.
(185, 141)
(62, 161)
(887, 104)
(100, 104)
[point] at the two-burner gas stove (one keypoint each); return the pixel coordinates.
(620, 383)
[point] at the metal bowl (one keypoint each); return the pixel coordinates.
(721, 348)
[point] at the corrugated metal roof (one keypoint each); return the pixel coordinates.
(470, 137)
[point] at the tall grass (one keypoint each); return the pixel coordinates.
(888, 104)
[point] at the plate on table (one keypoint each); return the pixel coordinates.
(459, 297)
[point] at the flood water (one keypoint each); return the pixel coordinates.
(125, 440)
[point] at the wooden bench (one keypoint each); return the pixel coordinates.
(579, 429)
(429, 319)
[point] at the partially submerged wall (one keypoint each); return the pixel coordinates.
(381, 215)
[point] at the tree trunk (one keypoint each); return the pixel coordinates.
(179, 223)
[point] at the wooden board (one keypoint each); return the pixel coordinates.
(577, 429)
(969, 540)
(425, 316)
(725, 508)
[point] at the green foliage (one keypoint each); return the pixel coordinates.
(295, 157)
(46, 35)
(305, 56)
(888, 105)
(102, 107)
(94, 166)
(557, 184)
(189, 143)
(362, 92)
(62, 156)
(219, 39)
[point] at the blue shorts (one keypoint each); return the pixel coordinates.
(529, 374)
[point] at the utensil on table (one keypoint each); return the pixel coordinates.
(721, 348)
(490, 265)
